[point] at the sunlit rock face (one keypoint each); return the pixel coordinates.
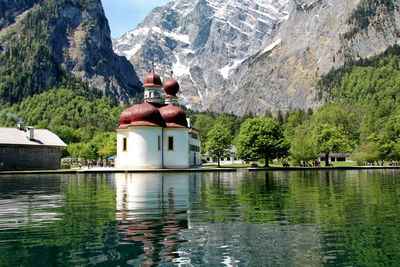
(88, 51)
(201, 41)
(253, 55)
(78, 35)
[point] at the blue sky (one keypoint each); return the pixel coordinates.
(125, 15)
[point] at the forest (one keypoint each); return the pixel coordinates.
(37, 89)
(361, 114)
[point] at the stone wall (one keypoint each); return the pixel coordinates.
(29, 158)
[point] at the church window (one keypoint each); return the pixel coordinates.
(170, 143)
(159, 143)
(194, 136)
(194, 148)
(124, 144)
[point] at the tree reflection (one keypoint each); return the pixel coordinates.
(80, 220)
(356, 212)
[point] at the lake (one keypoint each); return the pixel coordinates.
(273, 218)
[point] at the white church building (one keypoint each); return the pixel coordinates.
(153, 135)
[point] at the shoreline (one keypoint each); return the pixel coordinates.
(198, 169)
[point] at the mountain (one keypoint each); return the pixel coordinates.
(43, 42)
(201, 42)
(246, 56)
(318, 36)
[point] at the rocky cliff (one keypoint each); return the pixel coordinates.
(202, 41)
(253, 55)
(78, 36)
(317, 37)
(9, 9)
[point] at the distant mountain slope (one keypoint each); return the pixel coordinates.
(202, 41)
(315, 39)
(253, 55)
(42, 41)
(372, 82)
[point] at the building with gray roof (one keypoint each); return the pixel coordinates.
(29, 149)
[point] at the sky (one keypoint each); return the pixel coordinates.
(125, 15)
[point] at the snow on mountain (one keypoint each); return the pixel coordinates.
(201, 41)
(255, 55)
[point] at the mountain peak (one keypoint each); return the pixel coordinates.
(201, 41)
(67, 37)
(252, 55)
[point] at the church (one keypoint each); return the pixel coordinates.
(156, 135)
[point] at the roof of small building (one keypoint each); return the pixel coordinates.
(42, 137)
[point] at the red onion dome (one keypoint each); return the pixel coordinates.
(125, 118)
(141, 115)
(171, 87)
(152, 80)
(173, 116)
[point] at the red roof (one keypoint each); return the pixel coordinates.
(171, 87)
(152, 80)
(173, 116)
(146, 114)
(152, 114)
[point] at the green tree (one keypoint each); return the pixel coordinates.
(88, 152)
(261, 138)
(279, 118)
(105, 144)
(219, 140)
(346, 116)
(293, 119)
(68, 134)
(75, 149)
(204, 123)
(230, 122)
(303, 146)
(329, 138)
(379, 148)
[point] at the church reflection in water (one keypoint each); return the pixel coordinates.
(152, 210)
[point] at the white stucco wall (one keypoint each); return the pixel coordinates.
(179, 157)
(194, 156)
(142, 148)
(136, 192)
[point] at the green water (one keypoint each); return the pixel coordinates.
(310, 218)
